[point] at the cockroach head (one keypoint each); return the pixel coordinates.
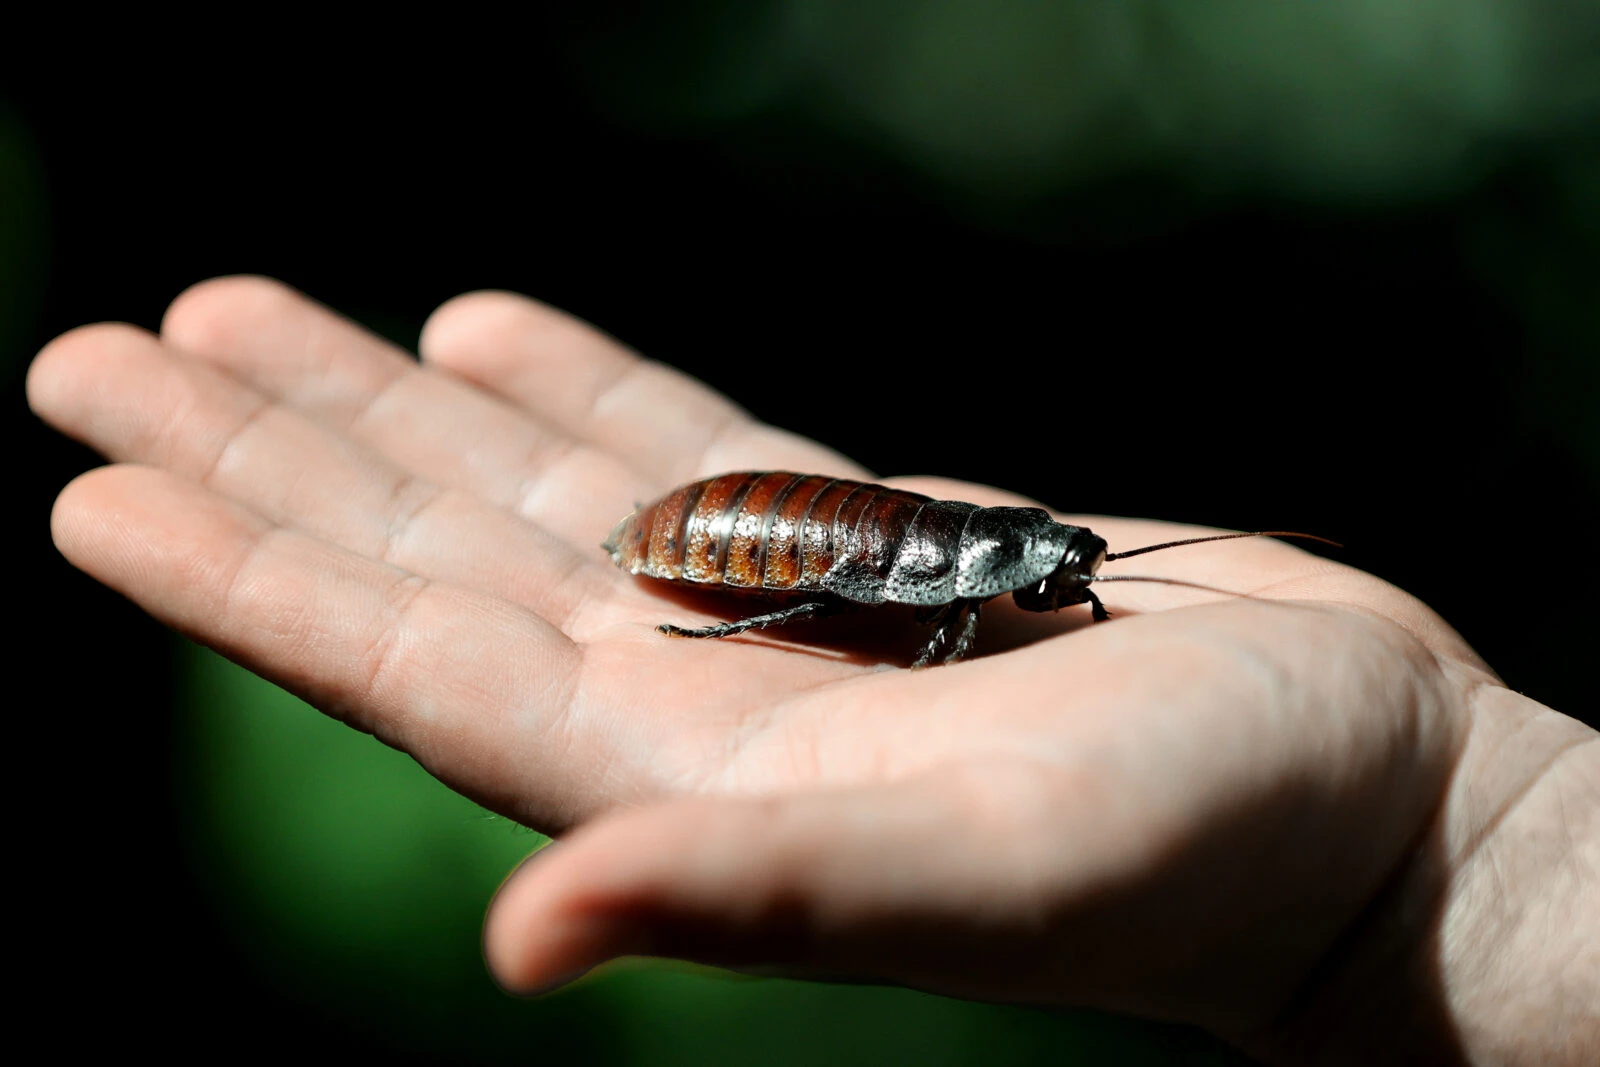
(1069, 582)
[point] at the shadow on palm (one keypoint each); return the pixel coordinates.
(888, 635)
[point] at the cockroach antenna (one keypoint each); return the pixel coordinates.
(1217, 537)
(1097, 578)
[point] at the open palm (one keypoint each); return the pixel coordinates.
(1182, 812)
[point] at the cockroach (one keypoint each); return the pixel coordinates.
(838, 543)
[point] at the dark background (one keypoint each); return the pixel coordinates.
(1336, 274)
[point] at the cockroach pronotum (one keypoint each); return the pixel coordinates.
(838, 543)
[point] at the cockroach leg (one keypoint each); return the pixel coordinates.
(810, 610)
(969, 631)
(1097, 610)
(937, 616)
(959, 618)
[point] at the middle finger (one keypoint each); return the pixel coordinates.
(421, 419)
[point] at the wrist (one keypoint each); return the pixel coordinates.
(1485, 946)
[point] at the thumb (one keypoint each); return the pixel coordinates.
(877, 883)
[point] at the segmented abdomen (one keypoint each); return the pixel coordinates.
(765, 530)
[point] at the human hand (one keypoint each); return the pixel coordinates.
(1304, 819)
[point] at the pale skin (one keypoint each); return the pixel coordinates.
(1310, 818)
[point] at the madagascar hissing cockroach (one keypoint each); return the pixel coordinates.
(838, 543)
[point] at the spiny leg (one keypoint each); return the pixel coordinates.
(962, 614)
(811, 610)
(939, 618)
(969, 631)
(1097, 610)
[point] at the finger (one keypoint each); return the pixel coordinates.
(928, 883)
(731, 882)
(118, 390)
(476, 689)
(662, 422)
(425, 421)
(996, 880)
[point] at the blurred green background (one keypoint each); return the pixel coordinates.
(1390, 213)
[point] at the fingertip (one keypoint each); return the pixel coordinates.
(694, 879)
(209, 313)
(147, 533)
(465, 328)
(506, 952)
(464, 314)
(61, 370)
(533, 943)
(85, 520)
(67, 511)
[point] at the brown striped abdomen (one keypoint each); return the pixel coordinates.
(764, 530)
